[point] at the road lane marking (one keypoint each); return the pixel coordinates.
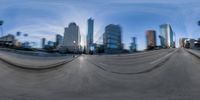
(162, 58)
(103, 64)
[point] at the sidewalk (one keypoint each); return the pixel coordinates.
(34, 62)
(194, 52)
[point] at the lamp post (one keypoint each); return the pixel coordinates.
(74, 47)
(1, 25)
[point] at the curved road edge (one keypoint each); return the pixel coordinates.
(45, 67)
(196, 54)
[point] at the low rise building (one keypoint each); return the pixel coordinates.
(8, 40)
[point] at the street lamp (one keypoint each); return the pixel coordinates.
(74, 47)
(1, 24)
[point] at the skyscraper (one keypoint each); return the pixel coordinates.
(151, 39)
(59, 40)
(166, 36)
(133, 46)
(112, 39)
(72, 38)
(90, 34)
(43, 42)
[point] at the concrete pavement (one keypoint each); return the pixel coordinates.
(132, 64)
(178, 78)
(34, 62)
(194, 52)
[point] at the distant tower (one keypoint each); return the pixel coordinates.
(43, 42)
(72, 37)
(59, 40)
(166, 36)
(133, 47)
(90, 34)
(151, 39)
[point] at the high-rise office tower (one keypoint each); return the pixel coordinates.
(112, 39)
(133, 46)
(90, 34)
(151, 39)
(166, 36)
(43, 42)
(72, 38)
(59, 40)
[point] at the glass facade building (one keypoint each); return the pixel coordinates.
(112, 39)
(59, 40)
(90, 34)
(166, 36)
(133, 46)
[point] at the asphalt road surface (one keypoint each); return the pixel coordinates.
(171, 74)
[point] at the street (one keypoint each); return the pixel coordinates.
(168, 74)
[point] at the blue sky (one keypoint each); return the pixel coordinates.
(45, 18)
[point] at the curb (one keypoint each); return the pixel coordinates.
(55, 65)
(193, 53)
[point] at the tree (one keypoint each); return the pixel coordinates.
(199, 23)
(1, 24)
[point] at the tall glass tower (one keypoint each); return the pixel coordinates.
(166, 36)
(133, 46)
(90, 34)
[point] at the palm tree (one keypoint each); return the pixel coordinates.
(1, 24)
(18, 33)
(199, 23)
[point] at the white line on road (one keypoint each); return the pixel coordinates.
(103, 64)
(166, 56)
